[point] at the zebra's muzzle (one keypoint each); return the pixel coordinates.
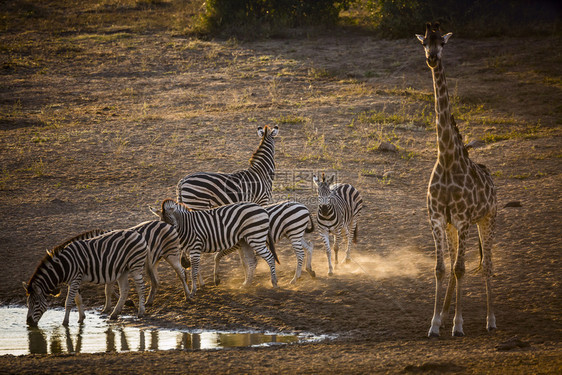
(31, 322)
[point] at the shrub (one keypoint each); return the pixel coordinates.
(468, 18)
(230, 15)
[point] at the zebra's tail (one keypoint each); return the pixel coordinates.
(310, 228)
(271, 245)
(355, 234)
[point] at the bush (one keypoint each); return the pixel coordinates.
(240, 15)
(468, 18)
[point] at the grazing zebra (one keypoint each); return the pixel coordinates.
(162, 241)
(102, 259)
(290, 219)
(204, 190)
(338, 208)
(219, 229)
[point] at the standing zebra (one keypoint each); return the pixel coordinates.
(204, 190)
(338, 208)
(290, 219)
(102, 259)
(219, 229)
(162, 241)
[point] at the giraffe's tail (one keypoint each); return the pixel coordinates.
(477, 269)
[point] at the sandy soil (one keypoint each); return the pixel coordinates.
(96, 126)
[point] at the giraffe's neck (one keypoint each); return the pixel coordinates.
(449, 141)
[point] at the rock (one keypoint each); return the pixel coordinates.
(387, 146)
(475, 144)
(512, 343)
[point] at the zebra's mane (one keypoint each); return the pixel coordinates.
(82, 236)
(266, 132)
(181, 204)
(57, 249)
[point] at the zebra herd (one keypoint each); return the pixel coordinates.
(214, 213)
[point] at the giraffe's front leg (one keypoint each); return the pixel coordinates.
(459, 269)
(326, 239)
(438, 227)
(452, 243)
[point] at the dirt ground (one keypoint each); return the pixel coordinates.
(96, 125)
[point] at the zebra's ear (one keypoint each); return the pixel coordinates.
(275, 131)
(446, 37)
(315, 180)
(25, 287)
(420, 37)
(154, 211)
(331, 179)
(260, 131)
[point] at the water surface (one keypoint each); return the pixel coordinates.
(97, 334)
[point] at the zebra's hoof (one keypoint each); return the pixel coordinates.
(347, 260)
(491, 329)
(217, 282)
(458, 334)
(330, 273)
(432, 335)
(311, 273)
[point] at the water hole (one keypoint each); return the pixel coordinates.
(98, 335)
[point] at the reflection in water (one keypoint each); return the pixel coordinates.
(96, 335)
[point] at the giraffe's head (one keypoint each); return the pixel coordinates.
(433, 43)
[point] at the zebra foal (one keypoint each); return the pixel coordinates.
(289, 219)
(103, 259)
(204, 190)
(219, 229)
(339, 206)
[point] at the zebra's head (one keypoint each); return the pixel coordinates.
(324, 192)
(264, 131)
(36, 303)
(167, 212)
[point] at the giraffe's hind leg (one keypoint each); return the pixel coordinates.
(486, 232)
(452, 243)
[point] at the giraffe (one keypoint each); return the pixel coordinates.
(460, 193)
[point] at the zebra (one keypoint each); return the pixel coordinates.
(102, 259)
(162, 242)
(219, 229)
(290, 219)
(205, 190)
(339, 206)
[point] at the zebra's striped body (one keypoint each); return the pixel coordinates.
(289, 219)
(338, 209)
(205, 190)
(102, 259)
(162, 241)
(219, 229)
